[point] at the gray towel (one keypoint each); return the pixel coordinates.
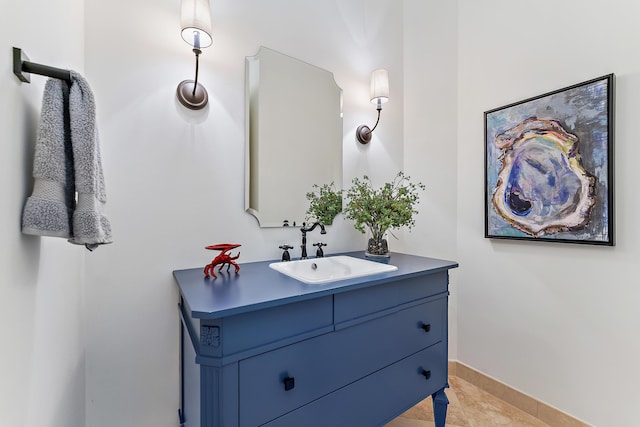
(67, 160)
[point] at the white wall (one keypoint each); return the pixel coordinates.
(557, 321)
(42, 354)
(175, 178)
(430, 126)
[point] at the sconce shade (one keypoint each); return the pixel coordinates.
(196, 23)
(380, 86)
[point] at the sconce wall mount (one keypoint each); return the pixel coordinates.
(379, 95)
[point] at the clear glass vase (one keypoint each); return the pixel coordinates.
(377, 246)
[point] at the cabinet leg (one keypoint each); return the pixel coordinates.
(440, 403)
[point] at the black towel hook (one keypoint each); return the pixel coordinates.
(22, 67)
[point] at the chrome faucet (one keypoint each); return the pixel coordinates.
(304, 231)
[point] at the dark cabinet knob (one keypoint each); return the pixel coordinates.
(426, 327)
(426, 374)
(289, 383)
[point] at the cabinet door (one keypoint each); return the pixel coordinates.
(377, 398)
(279, 381)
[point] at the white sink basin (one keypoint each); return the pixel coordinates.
(330, 269)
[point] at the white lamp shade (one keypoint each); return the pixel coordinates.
(196, 23)
(380, 86)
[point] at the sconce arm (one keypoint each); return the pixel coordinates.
(363, 133)
(377, 121)
(190, 93)
(195, 84)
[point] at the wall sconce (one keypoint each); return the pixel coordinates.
(379, 95)
(196, 30)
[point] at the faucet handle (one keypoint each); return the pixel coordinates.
(319, 252)
(285, 255)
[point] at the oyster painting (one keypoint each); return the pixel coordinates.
(549, 166)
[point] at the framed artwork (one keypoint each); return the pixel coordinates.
(549, 166)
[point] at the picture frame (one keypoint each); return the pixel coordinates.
(549, 166)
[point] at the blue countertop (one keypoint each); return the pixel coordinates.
(257, 286)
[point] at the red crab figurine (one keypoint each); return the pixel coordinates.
(222, 258)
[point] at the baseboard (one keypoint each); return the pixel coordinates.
(520, 400)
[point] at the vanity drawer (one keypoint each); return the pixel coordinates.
(320, 365)
(273, 327)
(362, 302)
(389, 391)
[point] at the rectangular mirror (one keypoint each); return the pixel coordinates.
(293, 136)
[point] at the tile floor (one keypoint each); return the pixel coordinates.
(469, 406)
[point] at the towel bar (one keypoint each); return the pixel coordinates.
(22, 67)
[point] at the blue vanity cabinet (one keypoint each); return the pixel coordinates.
(259, 348)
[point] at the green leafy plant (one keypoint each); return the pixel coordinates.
(325, 202)
(381, 209)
